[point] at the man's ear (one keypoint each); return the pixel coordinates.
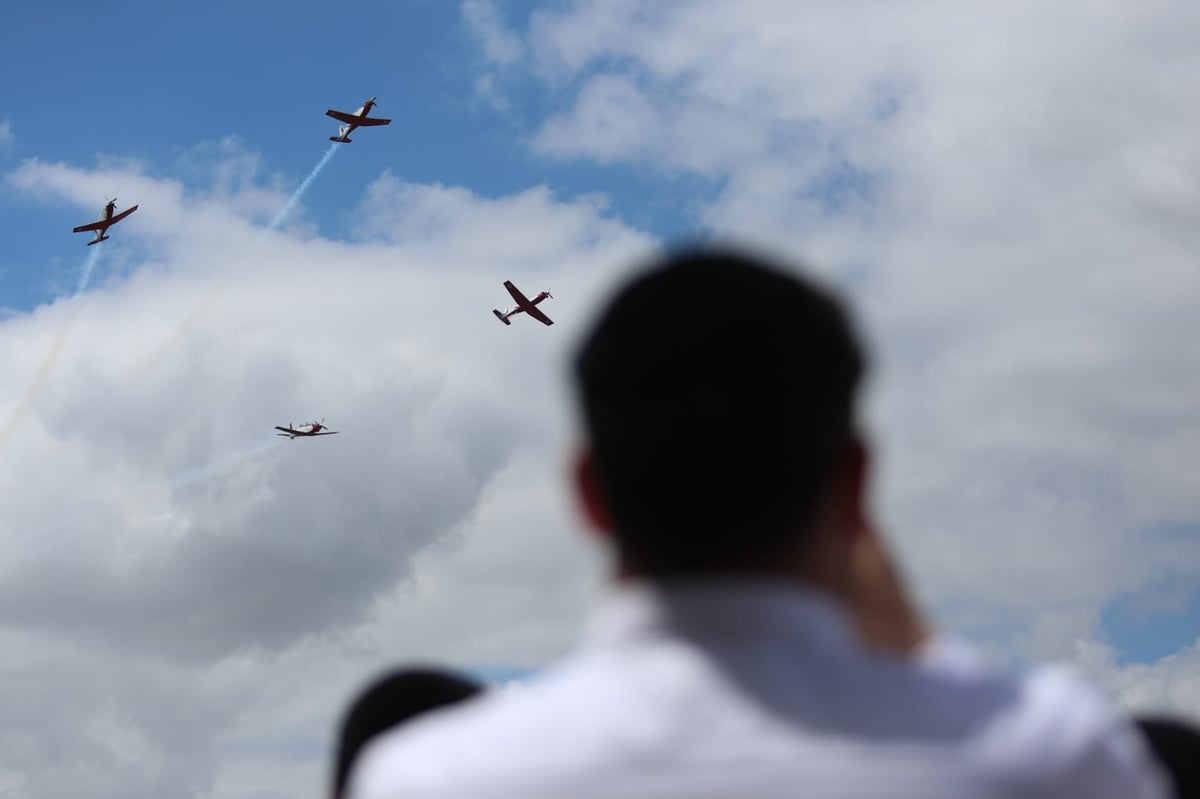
(589, 494)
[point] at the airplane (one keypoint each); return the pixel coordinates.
(106, 221)
(358, 119)
(524, 305)
(305, 430)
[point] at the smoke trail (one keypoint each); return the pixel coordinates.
(223, 463)
(39, 381)
(176, 335)
(86, 277)
(303, 187)
(51, 360)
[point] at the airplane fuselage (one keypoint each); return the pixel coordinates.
(344, 131)
(105, 215)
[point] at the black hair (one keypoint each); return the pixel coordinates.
(718, 393)
(389, 701)
(1176, 745)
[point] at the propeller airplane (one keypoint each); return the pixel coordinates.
(358, 119)
(305, 430)
(524, 305)
(107, 220)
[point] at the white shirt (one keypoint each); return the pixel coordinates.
(735, 690)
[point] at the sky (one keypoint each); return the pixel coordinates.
(1002, 194)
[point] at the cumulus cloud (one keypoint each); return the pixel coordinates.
(1170, 686)
(159, 536)
(1004, 195)
(500, 43)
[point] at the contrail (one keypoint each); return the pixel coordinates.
(303, 187)
(51, 360)
(222, 463)
(86, 277)
(39, 381)
(207, 303)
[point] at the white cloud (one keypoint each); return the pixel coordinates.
(1003, 193)
(500, 43)
(1170, 686)
(6, 135)
(202, 595)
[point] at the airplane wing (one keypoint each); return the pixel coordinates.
(117, 218)
(537, 314)
(350, 119)
(330, 433)
(91, 226)
(521, 299)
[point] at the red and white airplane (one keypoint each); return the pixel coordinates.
(305, 430)
(106, 221)
(358, 119)
(524, 305)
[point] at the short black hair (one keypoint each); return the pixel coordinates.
(389, 701)
(718, 393)
(1176, 746)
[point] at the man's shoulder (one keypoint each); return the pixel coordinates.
(518, 735)
(586, 720)
(1057, 730)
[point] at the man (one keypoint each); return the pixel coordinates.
(388, 702)
(730, 656)
(1176, 744)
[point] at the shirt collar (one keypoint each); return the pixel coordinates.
(717, 609)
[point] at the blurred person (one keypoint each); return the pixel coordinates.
(755, 638)
(388, 702)
(1176, 744)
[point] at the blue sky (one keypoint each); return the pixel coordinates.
(151, 82)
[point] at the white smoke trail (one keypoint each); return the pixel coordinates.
(206, 304)
(303, 187)
(86, 277)
(51, 360)
(223, 463)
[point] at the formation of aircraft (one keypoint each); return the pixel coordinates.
(358, 119)
(107, 220)
(305, 430)
(352, 121)
(524, 305)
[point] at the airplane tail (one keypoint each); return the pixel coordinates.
(501, 317)
(339, 138)
(97, 241)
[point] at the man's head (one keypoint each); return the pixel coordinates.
(1176, 746)
(388, 702)
(718, 396)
